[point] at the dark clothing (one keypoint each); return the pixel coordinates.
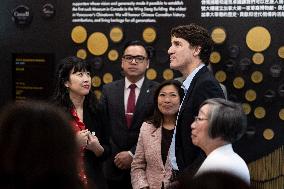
(123, 138)
(93, 164)
(202, 87)
(167, 136)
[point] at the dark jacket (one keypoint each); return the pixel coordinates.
(202, 87)
(123, 138)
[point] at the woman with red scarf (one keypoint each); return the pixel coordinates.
(73, 93)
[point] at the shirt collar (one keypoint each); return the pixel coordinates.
(138, 83)
(186, 83)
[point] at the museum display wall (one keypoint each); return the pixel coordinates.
(247, 58)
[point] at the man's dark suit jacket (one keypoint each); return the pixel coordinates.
(202, 87)
(123, 138)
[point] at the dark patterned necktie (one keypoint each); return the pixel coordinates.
(130, 105)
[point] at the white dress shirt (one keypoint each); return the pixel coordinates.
(225, 159)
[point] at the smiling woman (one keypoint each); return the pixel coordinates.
(73, 94)
(150, 167)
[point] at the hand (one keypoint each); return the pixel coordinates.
(82, 137)
(94, 145)
(123, 160)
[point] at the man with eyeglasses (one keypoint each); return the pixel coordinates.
(189, 52)
(126, 103)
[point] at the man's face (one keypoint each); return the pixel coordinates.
(181, 54)
(134, 62)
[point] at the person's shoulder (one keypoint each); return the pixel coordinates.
(113, 84)
(206, 77)
(150, 82)
(147, 127)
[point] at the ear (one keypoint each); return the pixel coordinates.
(122, 64)
(197, 51)
(148, 63)
(66, 84)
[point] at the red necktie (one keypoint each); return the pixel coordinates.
(130, 105)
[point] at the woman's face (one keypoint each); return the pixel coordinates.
(79, 83)
(199, 132)
(168, 100)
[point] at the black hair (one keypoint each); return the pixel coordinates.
(38, 148)
(195, 35)
(139, 43)
(157, 117)
(61, 95)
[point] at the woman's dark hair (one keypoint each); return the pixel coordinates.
(38, 147)
(157, 118)
(195, 35)
(61, 95)
(226, 119)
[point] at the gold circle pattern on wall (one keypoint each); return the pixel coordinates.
(215, 57)
(113, 55)
(259, 112)
(149, 35)
(168, 74)
(256, 77)
(258, 58)
(258, 39)
(246, 108)
(268, 134)
(82, 53)
(107, 78)
(239, 82)
(221, 76)
(281, 114)
(250, 95)
(79, 34)
(151, 74)
(98, 94)
(97, 43)
(116, 34)
(281, 52)
(96, 81)
(218, 35)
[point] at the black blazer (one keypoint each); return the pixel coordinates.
(93, 164)
(123, 138)
(202, 87)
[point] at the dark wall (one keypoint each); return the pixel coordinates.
(52, 36)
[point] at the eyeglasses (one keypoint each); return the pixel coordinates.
(196, 118)
(138, 59)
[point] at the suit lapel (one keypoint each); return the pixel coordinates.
(120, 95)
(155, 143)
(144, 92)
(191, 87)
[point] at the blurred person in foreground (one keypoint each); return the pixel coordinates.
(220, 123)
(73, 94)
(38, 148)
(213, 180)
(150, 167)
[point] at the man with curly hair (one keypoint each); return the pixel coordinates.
(189, 52)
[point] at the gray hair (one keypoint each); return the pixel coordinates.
(226, 119)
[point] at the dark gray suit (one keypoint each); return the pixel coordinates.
(123, 138)
(202, 87)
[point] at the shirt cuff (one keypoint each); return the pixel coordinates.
(130, 153)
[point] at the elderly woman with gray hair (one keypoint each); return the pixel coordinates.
(220, 123)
